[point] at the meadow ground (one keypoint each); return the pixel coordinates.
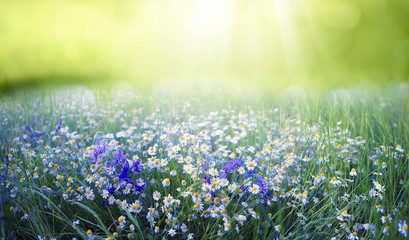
(80, 163)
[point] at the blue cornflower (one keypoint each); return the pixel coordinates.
(140, 184)
(250, 173)
(223, 174)
(111, 190)
(244, 188)
(310, 152)
(120, 157)
(125, 170)
(58, 126)
(232, 165)
(203, 165)
(264, 186)
(137, 166)
(27, 128)
(207, 179)
(99, 152)
(36, 135)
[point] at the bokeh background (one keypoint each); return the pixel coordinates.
(263, 44)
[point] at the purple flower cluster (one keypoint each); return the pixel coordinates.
(27, 128)
(140, 184)
(232, 165)
(98, 152)
(203, 165)
(229, 168)
(263, 184)
(137, 166)
(207, 179)
(58, 126)
(310, 152)
(124, 172)
(36, 135)
(120, 157)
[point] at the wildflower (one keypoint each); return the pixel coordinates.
(105, 194)
(250, 164)
(335, 181)
(263, 184)
(386, 218)
(378, 186)
(58, 126)
(353, 236)
(119, 157)
(89, 233)
(156, 195)
(168, 200)
(172, 232)
(353, 172)
(277, 228)
(184, 228)
(89, 193)
(213, 172)
(232, 165)
(386, 230)
(124, 173)
(122, 221)
(379, 208)
(241, 218)
(372, 193)
(166, 182)
(403, 228)
(75, 222)
(27, 128)
(255, 189)
(36, 135)
(137, 166)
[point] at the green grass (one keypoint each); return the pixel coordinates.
(370, 118)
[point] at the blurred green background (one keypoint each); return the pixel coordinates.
(263, 44)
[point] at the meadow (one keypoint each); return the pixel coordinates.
(91, 164)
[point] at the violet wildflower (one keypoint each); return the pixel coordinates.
(27, 128)
(250, 173)
(120, 157)
(264, 186)
(223, 174)
(58, 126)
(36, 135)
(99, 152)
(137, 166)
(111, 190)
(232, 165)
(124, 173)
(140, 184)
(207, 179)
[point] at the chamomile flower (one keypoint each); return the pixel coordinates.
(373, 193)
(250, 164)
(255, 189)
(156, 195)
(166, 182)
(168, 200)
(403, 228)
(172, 232)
